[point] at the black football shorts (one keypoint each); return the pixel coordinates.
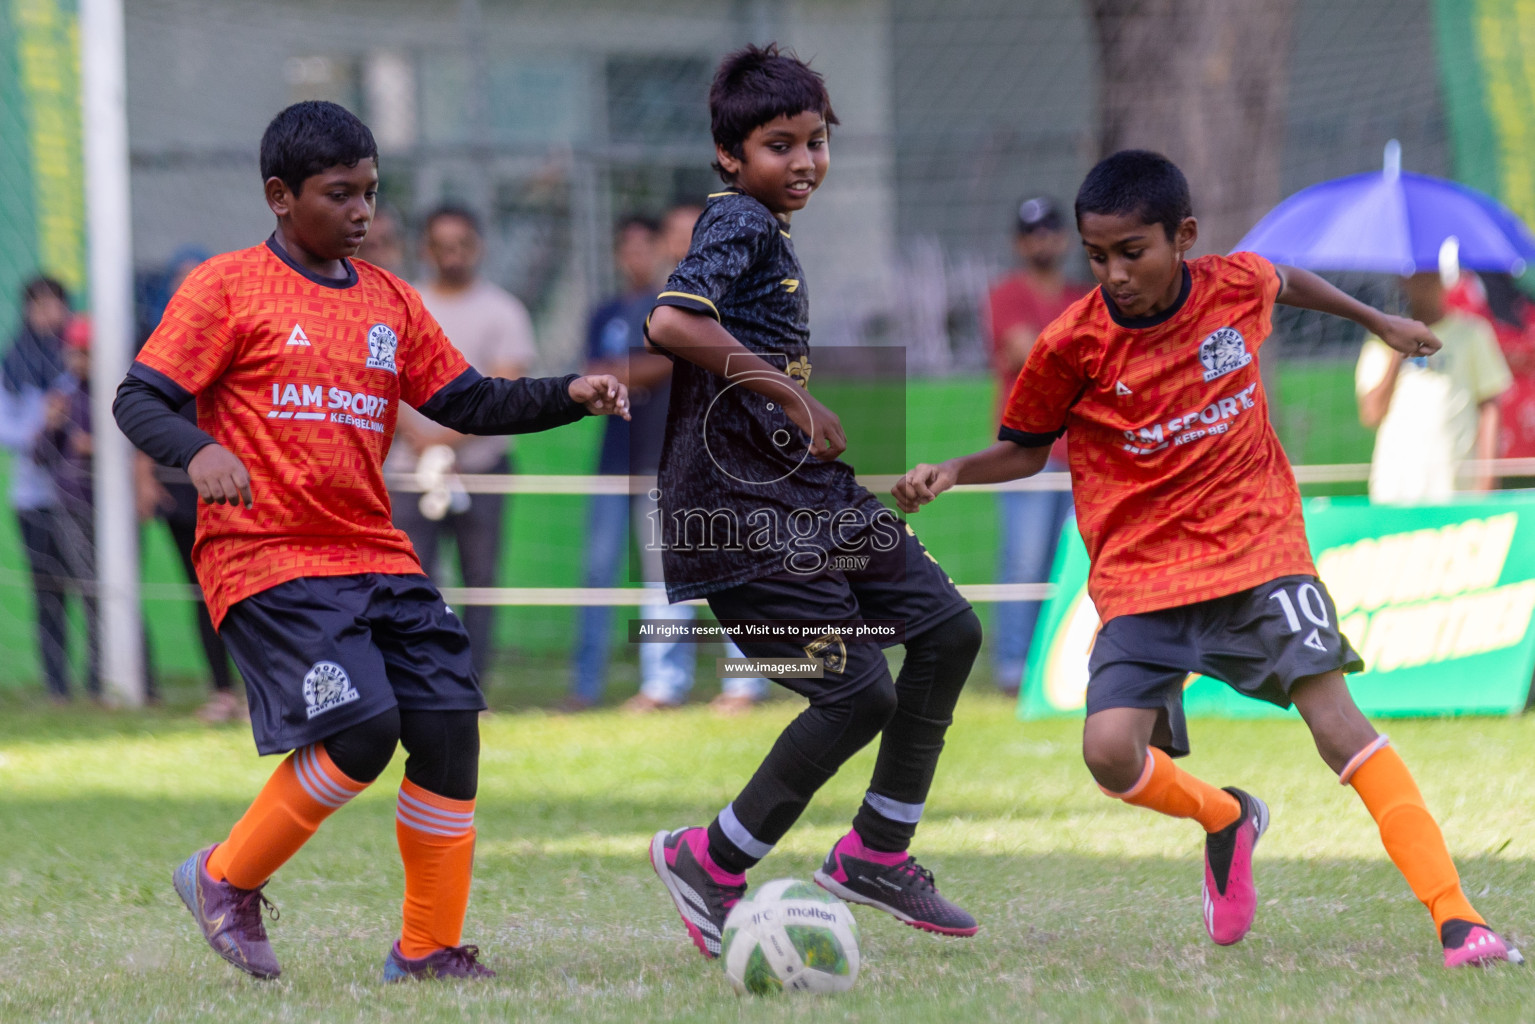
(903, 585)
(1259, 642)
(320, 654)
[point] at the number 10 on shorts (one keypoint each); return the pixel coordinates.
(1308, 599)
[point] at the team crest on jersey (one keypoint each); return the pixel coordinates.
(1223, 352)
(381, 346)
(327, 686)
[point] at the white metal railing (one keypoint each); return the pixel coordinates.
(528, 483)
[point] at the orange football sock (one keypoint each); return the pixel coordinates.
(304, 790)
(1410, 834)
(1168, 789)
(436, 837)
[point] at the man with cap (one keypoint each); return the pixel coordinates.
(1019, 307)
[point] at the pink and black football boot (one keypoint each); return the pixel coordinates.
(703, 891)
(1467, 944)
(1230, 898)
(892, 882)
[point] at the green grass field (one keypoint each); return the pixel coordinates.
(1090, 910)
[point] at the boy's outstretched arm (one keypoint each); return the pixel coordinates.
(473, 404)
(1005, 460)
(1305, 290)
(704, 343)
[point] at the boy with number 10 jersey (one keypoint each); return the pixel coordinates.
(1192, 519)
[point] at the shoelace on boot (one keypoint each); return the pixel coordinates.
(725, 896)
(247, 912)
(466, 958)
(924, 877)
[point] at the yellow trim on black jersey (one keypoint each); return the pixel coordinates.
(781, 231)
(689, 295)
(727, 192)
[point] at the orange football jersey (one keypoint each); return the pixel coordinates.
(1182, 490)
(301, 378)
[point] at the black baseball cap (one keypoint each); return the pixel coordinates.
(1038, 214)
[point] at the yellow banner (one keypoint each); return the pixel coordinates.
(48, 73)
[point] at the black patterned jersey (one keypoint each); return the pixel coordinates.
(741, 497)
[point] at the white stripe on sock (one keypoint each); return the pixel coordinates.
(742, 839)
(421, 826)
(322, 789)
(335, 790)
(906, 814)
(438, 815)
(423, 817)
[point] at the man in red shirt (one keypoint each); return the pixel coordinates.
(1021, 306)
(1192, 519)
(299, 358)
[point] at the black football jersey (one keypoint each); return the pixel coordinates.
(741, 497)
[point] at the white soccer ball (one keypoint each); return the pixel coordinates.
(790, 934)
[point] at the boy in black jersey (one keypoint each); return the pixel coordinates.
(757, 512)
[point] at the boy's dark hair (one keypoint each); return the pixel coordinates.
(456, 210)
(306, 138)
(1141, 182)
(41, 285)
(753, 86)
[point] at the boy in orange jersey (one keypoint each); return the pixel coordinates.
(1192, 520)
(299, 357)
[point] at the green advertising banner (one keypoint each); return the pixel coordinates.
(1487, 67)
(42, 192)
(1437, 600)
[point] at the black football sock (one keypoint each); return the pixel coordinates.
(806, 754)
(937, 664)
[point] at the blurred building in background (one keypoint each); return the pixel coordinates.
(551, 118)
(555, 116)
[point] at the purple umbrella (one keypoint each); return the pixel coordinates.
(1391, 222)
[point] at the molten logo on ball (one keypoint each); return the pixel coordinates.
(792, 935)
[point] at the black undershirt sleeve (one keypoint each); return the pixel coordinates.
(474, 404)
(1028, 440)
(146, 408)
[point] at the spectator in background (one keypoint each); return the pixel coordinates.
(385, 244)
(167, 493)
(155, 288)
(31, 366)
(1020, 306)
(494, 332)
(64, 451)
(1432, 414)
(645, 254)
(1497, 299)
(676, 236)
(614, 330)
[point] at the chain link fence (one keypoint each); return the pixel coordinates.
(554, 118)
